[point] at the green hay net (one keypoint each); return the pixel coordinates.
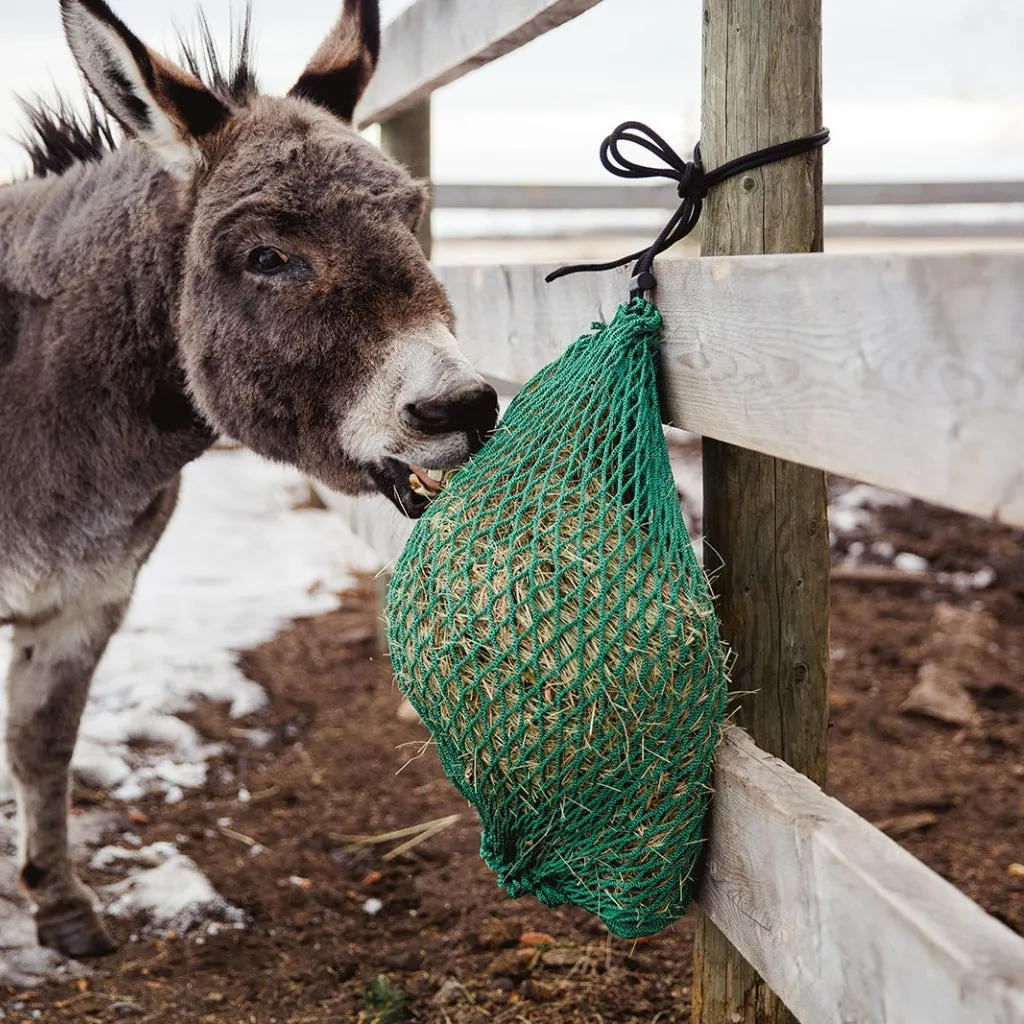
(550, 624)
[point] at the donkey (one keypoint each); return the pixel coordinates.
(238, 265)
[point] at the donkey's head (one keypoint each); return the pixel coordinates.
(310, 325)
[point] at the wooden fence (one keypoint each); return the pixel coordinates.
(660, 197)
(905, 371)
(897, 198)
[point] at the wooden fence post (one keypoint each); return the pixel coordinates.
(765, 520)
(406, 138)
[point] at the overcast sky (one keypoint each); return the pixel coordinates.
(914, 89)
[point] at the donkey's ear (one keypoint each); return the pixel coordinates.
(156, 101)
(342, 68)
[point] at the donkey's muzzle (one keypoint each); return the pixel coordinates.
(472, 411)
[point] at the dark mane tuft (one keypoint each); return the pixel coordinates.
(59, 136)
(236, 84)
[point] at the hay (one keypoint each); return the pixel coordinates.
(552, 628)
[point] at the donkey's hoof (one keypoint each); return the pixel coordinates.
(76, 935)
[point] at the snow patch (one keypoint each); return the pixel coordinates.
(962, 582)
(23, 964)
(907, 562)
(237, 563)
(167, 887)
(853, 509)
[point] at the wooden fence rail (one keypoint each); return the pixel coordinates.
(847, 927)
(435, 42)
(901, 370)
(932, 199)
(662, 197)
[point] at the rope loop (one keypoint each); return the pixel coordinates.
(692, 186)
(689, 176)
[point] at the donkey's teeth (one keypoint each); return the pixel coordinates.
(427, 483)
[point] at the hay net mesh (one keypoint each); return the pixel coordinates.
(550, 623)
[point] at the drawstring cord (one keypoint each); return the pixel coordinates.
(692, 186)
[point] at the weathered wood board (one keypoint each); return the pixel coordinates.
(846, 926)
(663, 197)
(903, 370)
(434, 42)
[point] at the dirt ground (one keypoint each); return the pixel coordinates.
(366, 933)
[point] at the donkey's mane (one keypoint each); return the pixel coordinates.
(61, 134)
(234, 83)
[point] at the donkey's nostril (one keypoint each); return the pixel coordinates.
(433, 415)
(473, 411)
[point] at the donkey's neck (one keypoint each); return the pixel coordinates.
(94, 413)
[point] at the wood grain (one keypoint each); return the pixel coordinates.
(904, 370)
(848, 927)
(765, 519)
(434, 42)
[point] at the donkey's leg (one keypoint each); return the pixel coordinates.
(47, 687)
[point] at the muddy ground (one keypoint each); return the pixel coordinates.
(346, 932)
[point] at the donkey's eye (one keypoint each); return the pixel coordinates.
(267, 260)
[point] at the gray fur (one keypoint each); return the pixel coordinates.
(134, 329)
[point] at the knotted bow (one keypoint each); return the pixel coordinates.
(692, 186)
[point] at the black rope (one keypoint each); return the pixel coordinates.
(693, 183)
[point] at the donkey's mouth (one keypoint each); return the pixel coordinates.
(428, 483)
(409, 488)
